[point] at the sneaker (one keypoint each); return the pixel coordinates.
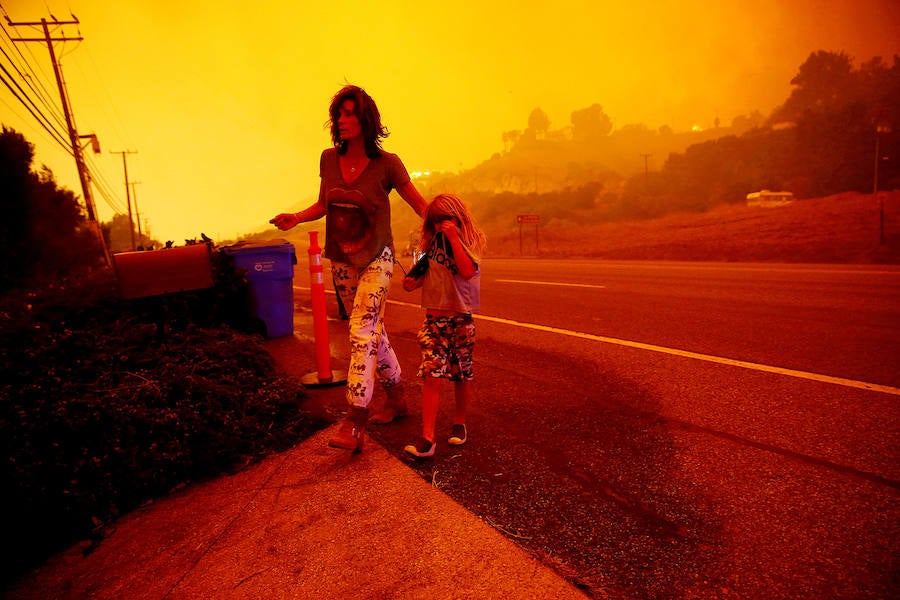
(457, 435)
(423, 448)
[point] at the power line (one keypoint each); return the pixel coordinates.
(43, 93)
(95, 174)
(112, 199)
(102, 101)
(35, 76)
(31, 107)
(74, 138)
(70, 124)
(32, 76)
(13, 64)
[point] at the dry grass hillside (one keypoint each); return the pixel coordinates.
(838, 229)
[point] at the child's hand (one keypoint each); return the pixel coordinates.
(448, 228)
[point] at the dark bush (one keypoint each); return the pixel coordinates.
(106, 404)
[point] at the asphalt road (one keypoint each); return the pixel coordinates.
(680, 430)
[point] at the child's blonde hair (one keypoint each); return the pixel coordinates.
(449, 205)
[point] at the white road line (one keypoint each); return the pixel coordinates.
(739, 267)
(584, 285)
(863, 385)
(851, 383)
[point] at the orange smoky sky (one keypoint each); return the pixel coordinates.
(225, 103)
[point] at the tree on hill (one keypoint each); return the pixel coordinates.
(538, 124)
(44, 233)
(118, 233)
(744, 123)
(822, 83)
(821, 141)
(15, 184)
(591, 123)
(826, 83)
(586, 151)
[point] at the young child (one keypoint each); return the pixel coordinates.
(450, 282)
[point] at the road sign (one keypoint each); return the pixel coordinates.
(530, 220)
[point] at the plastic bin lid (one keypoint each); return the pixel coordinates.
(259, 245)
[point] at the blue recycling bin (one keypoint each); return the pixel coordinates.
(269, 266)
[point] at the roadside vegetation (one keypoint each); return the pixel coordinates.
(106, 404)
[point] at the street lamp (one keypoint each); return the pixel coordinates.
(95, 143)
(880, 128)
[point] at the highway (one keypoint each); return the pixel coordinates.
(836, 320)
(681, 429)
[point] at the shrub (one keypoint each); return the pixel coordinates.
(102, 409)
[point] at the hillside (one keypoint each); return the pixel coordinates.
(838, 229)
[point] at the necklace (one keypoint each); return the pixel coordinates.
(355, 165)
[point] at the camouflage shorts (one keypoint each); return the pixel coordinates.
(447, 344)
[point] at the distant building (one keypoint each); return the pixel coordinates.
(784, 125)
(767, 198)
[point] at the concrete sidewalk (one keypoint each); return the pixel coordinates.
(311, 522)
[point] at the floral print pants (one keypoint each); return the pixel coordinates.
(365, 289)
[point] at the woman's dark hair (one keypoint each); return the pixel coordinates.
(369, 120)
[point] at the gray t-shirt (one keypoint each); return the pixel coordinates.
(358, 214)
(443, 288)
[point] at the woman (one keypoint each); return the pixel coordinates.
(357, 177)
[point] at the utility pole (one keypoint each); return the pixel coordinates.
(881, 127)
(128, 193)
(74, 138)
(137, 213)
(646, 168)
